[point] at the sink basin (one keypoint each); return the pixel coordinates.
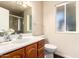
(5, 43)
(20, 41)
(16, 41)
(23, 40)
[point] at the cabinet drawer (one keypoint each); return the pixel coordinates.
(41, 44)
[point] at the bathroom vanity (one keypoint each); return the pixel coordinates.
(32, 48)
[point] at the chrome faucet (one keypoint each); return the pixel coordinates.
(20, 36)
(7, 38)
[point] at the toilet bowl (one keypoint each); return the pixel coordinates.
(49, 50)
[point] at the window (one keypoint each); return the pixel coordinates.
(66, 17)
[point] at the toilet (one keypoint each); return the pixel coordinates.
(49, 50)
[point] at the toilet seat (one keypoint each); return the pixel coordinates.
(50, 46)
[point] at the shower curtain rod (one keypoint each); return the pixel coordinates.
(15, 16)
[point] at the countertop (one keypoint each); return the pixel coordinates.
(8, 47)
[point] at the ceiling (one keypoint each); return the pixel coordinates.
(12, 6)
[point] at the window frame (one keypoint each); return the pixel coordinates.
(65, 31)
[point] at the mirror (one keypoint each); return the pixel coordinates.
(20, 17)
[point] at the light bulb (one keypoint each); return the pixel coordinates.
(24, 5)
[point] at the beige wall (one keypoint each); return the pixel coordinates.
(37, 18)
(67, 43)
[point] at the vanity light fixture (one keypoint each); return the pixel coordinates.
(23, 3)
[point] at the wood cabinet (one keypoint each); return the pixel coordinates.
(40, 49)
(31, 51)
(35, 50)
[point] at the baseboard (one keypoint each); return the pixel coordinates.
(63, 55)
(57, 56)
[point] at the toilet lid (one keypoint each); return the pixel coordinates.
(50, 46)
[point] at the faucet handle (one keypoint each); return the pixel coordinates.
(20, 36)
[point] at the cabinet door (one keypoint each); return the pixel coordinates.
(40, 49)
(31, 51)
(41, 52)
(15, 54)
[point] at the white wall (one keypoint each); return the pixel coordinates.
(67, 43)
(4, 18)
